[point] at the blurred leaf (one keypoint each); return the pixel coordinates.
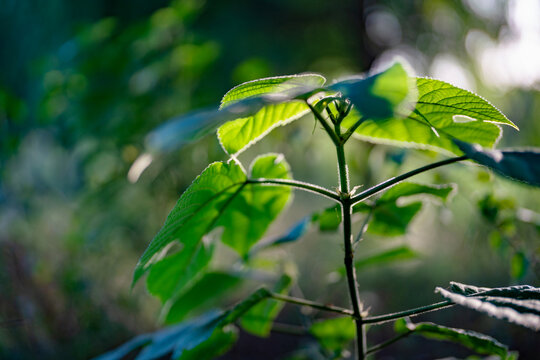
(259, 319)
(208, 289)
(219, 343)
(170, 275)
(243, 306)
(292, 234)
(334, 334)
(522, 165)
(399, 253)
(517, 304)
(176, 339)
(329, 219)
(443, 112)
(220, 197)
(236, 136)
(388, 219)
(519, 265)
(477, 342)
(378, 96)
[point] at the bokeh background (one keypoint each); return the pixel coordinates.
(83, 82)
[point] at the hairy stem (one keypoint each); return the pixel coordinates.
(393, 181)
(312, 304)
(346, 212)
(417, 311)
(324, 124)
(298, 185)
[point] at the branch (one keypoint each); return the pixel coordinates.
(423, 309)
(298, 185)
(325, 124)
(393, 181)
(312, 304)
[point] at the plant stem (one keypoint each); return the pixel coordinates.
(325, 124)
(387, 343)
(393, 181)
(417, 311)
(346, 212)
(299, 185)
(351, 130)
(312, 304)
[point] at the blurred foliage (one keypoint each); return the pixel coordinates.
(84, 82)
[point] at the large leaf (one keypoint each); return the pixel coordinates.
(480, 343)
(521, 165)
(184, 341)
(379, 96)
(221, 197)
(442, 112)
(334, 334)
(517, 304)
(170, 275)
(235, 136)
(209, 288)
(176, 339)
(259, 319)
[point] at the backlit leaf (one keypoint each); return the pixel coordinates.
(522, 165)
(378, 96)
(399, 253)
(221, 198)
(517, 304)
(443, 112)
(235, 136)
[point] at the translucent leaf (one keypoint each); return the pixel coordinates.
(221, 198)
(517, 304)
(479, 343)
(378, 96)
(443, 112)
(259, 319)
(236, 136)
(521, 165)
(334, 334)
(209, 288)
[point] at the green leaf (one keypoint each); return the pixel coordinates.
(334, 334)
(480, 343)
(236, 136)
(443, 112)
(519, 265)
(218, 344)
(521, 165)
(190, 337)
(259, 319)
(169, 276)
(243, 306)
(221, 198)
(209, 288)
(517, 304)
(378, 96)
(175, 339)
(399, 253)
